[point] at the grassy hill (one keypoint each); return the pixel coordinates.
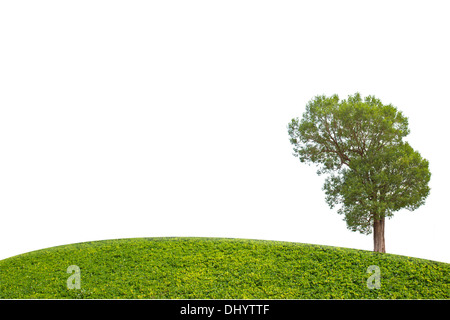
(216, 268)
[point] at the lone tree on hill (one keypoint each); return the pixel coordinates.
(372, 172)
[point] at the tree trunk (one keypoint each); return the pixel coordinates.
(378, 236)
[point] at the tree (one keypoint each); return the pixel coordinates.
(372, 172)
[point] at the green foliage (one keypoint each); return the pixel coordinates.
(203, 268)
(373, 172)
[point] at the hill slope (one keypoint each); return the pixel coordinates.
(216, 268)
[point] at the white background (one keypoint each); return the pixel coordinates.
(127, 119)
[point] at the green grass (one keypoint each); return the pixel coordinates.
(216, 268)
